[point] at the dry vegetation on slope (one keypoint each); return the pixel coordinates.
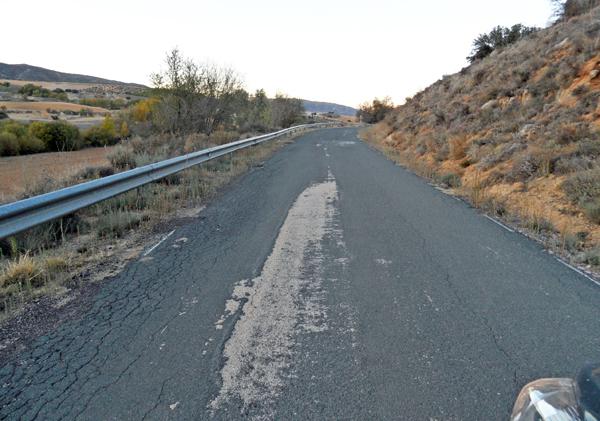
(518, 133)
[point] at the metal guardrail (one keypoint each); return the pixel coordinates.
(24, 214)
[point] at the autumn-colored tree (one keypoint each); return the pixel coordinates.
(124, 130)
(102, 135)
(142, 110)
(108, 125)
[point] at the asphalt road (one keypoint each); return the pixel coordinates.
(328, 284)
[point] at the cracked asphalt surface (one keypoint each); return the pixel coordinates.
(433, 312)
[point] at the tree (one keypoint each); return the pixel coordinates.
(259, 117)
(375, 111)
(102, 135)
(194, 97)
(108, 125)
(286, 111)
(57, 135)
(141, 111)
(498, 37)
(124, 130)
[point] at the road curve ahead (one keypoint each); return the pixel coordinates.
(327, 284)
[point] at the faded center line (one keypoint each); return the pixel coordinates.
(260, 346)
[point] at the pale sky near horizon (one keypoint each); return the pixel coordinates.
(329, 50)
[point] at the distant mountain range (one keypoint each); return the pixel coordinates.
(34, 73)
(325, 107)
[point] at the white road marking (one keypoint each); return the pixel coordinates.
(345, 142)
(260, 347)
(492, 250)
(499, 223)
(159, 243)
(573, 268)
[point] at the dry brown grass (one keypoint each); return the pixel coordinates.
(22, 272)
(19, 173)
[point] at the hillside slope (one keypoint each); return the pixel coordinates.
(518, 133)
(325, 107)
(34, 73)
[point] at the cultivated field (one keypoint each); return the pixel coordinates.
(20, 173)
(43, 107)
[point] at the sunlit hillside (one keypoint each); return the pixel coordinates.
(518, 133)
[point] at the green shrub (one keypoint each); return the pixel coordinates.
(116, 224)
(29, 144)
(99, 136)
(111, 104)
(540, 224)
(592, 210)
(56, 135)
(450, 180)
(36, 90)
(9, 144)
(102, 135)
(26, 143)
(589, 147)
(592, 257)
(14, 127)
(122, 158)
(583, 187)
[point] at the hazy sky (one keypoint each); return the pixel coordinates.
(330, 50)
